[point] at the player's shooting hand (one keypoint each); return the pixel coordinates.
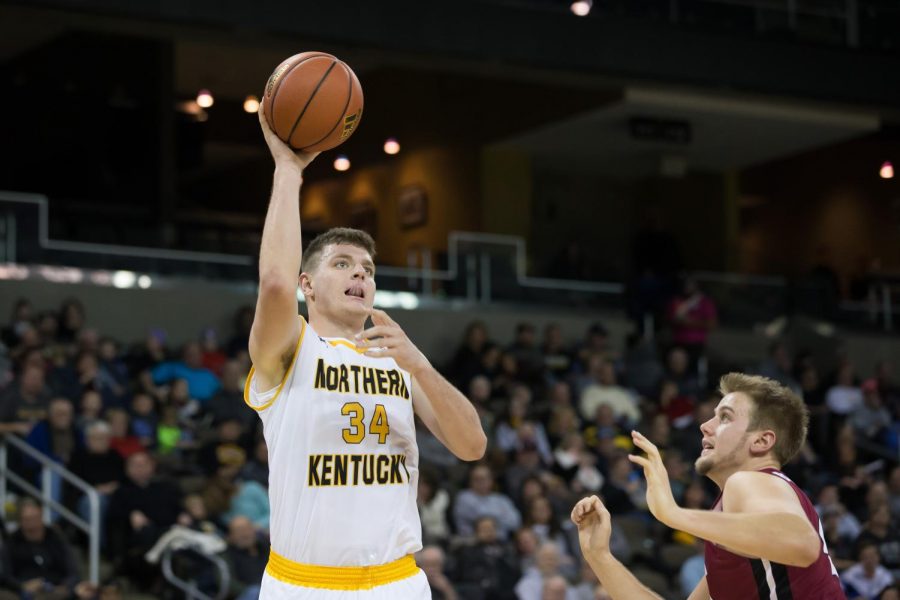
(387, 339)
(594, 525)
(283, 154)
(659, 493)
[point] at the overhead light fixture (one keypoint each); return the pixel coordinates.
(582, 8)
(205, 99)
(341, 163)
(251, 104)
(391, 146)
(887, 170)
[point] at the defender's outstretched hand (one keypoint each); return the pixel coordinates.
(391, 342)
(594, 525)
(659, 493)
(282, 153)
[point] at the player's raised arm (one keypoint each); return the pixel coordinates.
(275, 325)
(446, 412)
(594, 528)
(757, 508)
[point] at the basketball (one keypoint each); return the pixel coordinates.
(313, 101)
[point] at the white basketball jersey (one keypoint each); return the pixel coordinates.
(343, 460)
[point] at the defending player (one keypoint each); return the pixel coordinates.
(763, 537)
(337, 407)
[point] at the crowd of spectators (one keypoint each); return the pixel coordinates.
(175, 454)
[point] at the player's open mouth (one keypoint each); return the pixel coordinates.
(355, 292)
(707, 447)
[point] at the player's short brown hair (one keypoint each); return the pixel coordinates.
(335, 235)
(775, 407)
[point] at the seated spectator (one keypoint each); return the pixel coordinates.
(558, 359)
(466, 362)
(149, 354)
(212, 356)
(202, 383)
(187, 408)
(780, 366)
(557, 588)
(511, 427)
(595, 343)
(678, 370)
(433, 502)
(587, 583)
(563, 422)
(172, 437)
(841, 549)
(486, 567)
(480, 500)
(144, 419)
(257, 468)
(524, 349)
(431, 560)
(247, 556)
(624, 492)
(867, 579)
(547, 566)
(871, 420)
(643, 370)
(228, 446)
(677, 407)
(880, 532)
(844, 397)
(122, 439)
(227, 497)
(228, 402)
(24, 402)
(848, 526)
(100, 466)
(41, 559)
(196, 515)
(541, 519)
(71, 319)
(20, 320)
(90, 409)
(140, 511)
(606, 390)
(56, 436)
(894, 492)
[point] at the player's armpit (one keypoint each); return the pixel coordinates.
(276, 329)
(701, 592)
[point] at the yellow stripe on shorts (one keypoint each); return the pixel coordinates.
(339, 578)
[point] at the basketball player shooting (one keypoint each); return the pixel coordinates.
(763, 537)
(337, 403)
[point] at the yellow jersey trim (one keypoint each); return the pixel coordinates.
(283, 379)
(353, 347)
(339, 578)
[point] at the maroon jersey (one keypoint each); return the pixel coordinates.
(733, 577)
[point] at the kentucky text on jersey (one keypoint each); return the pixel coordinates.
(329, 470)
(359, 379)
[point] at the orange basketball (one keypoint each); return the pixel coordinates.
(313, 101)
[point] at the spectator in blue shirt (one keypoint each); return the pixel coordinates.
(202, 383)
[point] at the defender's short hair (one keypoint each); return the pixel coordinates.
(335, 235)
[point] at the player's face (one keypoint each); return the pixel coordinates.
(344, 282)
(725, 437)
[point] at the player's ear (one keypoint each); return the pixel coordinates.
(763, 441)
(306, 285)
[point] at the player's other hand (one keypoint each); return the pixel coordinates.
(594, 525)
(387, 339)
(659, 491)
(282, 153)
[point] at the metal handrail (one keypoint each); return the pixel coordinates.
(190, 587)
(48, 468)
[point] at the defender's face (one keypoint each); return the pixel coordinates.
(343, 281)
(725, 439)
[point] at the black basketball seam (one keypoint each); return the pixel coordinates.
(343, 112)
(281, 80)
(309, 101)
